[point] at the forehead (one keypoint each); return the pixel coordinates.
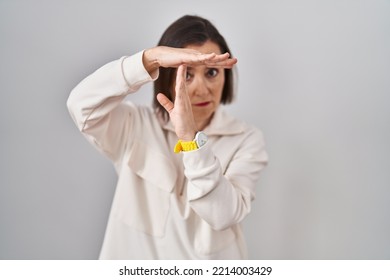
(207, 47)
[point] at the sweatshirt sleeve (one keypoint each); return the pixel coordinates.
(95, 104)
(223, 199)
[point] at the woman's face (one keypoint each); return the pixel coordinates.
(205, 86)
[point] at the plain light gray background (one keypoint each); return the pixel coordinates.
(313, 75)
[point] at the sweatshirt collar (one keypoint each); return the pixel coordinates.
(221, 124)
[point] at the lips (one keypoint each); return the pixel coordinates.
(202, 104)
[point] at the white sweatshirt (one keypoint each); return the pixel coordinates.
(166, 205)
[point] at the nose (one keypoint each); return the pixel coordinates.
(199, 86)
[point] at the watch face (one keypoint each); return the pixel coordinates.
(201, 139)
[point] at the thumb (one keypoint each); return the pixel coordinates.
(165, 102)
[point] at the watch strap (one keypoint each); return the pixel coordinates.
(185, 146)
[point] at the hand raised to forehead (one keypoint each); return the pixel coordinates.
(173, 57)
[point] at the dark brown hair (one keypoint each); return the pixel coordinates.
(190, 30)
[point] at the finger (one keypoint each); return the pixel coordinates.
(223, 60)
(181, 74)
(220, 57)
(165, 102)
(228, 63)
(205, 57)
(193, 57)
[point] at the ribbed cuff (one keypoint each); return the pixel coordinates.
(135, 72)
(198, 159)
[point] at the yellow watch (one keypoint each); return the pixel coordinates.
(186, 146)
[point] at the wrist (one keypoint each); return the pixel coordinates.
(199, 141)
(150, 61)
(187, 135)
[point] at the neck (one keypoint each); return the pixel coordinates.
(202, 124)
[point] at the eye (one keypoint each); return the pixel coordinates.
(188, 76)
(212, 72)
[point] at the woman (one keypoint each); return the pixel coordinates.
(183, 205)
